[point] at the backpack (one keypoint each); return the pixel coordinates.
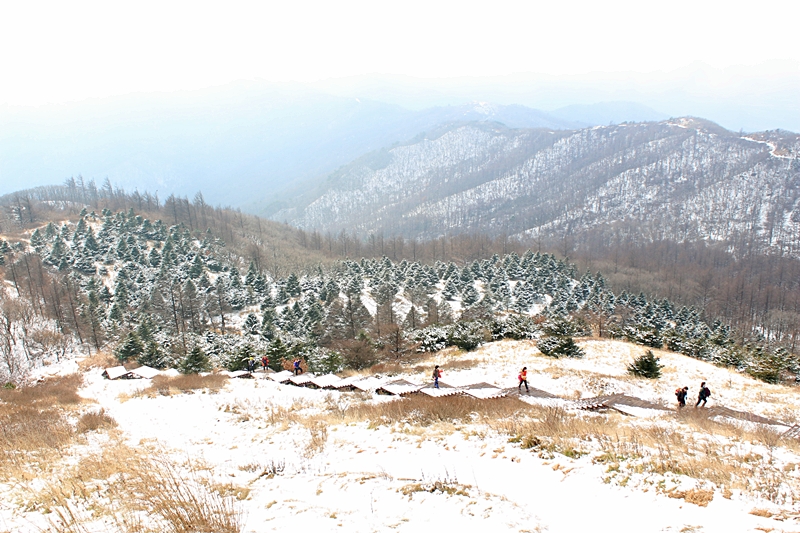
(678, 392)
(706, 392)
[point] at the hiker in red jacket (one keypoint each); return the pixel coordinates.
(265, 362)
(523, 378)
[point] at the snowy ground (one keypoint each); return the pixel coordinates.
(357, 476)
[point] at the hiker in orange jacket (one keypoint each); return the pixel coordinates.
(523, 378)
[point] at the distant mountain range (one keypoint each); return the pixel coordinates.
(243, 145)
(677, 179)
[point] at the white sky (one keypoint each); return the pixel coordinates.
(69, 50)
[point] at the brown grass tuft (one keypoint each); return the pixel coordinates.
(93, 421)
(699, 497)
(62, 390)
(188, 383)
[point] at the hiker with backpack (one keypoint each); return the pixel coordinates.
(682, 393)
(265, 362)
(297, 368)
(437, 373)
(523, 378)
(704, 395)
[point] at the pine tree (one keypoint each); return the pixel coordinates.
(252, 274)
(646, 366)
(195, 362)
(470, 296)
(131, 348)
(558, 346)
(251, 325)
(154, 258)
(37, 241)
(293, 285)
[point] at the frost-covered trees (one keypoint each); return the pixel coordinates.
(154, 293)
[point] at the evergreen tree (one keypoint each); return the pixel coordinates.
(154, 258)
(470, 295)
(252, 274)
(450, 290)
(37, 241)
(251, 324)
(293, 285)
(559, 346)
(646, 366)
(195, 362)
(131, 348)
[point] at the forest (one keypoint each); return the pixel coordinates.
(181, 284)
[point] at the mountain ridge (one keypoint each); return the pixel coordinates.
(673, 175)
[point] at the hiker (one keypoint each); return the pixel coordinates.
(436, 375)
(265, 362)
(704, 394)
(523, 378)
(251, 364)
(682, 393)
(297, 369)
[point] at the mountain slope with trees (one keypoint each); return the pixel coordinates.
(682, 179)
(170, 295)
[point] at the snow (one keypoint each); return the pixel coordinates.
(369, 478)
(145, 372)
(281, 377)
(116, 372)
(328, 380)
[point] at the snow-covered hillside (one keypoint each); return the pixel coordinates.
(676, 179)
(286, 457)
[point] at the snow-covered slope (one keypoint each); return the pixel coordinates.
(331, 471)
(681, 178)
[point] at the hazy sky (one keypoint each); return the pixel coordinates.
(61, 51)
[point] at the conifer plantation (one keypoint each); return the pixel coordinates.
(202, 291)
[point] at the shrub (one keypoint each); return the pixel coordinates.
(560, 346)
(646, 366)
(467, 336)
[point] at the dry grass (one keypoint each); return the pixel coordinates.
(189, 383)
(458, 364)
(97, 360)
(34, 424)
(421, 410)
(699, 497)
(132, 491)
(93, 421)
(451, 489)
(317, 438)
(62, 390)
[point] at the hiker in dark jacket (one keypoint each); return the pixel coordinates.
(704, 394)
(682, 394)
(436, 375)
